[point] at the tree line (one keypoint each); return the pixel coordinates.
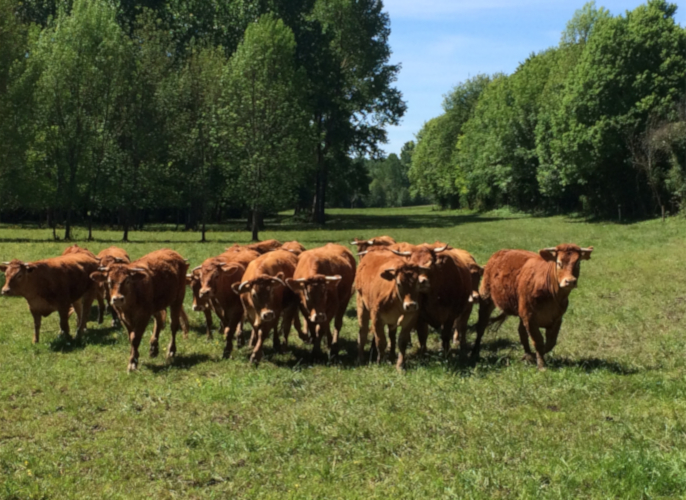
(596, 124)
(189, 109)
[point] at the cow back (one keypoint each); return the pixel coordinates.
(501, 277)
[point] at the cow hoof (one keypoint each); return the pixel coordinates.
(255, 360)
(133, 366)
(171, 355)
(529, 358)
(542, 368)
(154, 351)
(226, 355)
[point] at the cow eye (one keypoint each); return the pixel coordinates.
(559, 264)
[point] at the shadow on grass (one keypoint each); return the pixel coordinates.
(179, 362)
(591, 365)
(100, 336)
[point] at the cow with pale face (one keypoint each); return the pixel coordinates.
(534, 287)
(107, 257)
(200, 304)
(323, 280)
(143, 289)
(387, 289)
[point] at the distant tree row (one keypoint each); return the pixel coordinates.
(596, 124)
(188, 108)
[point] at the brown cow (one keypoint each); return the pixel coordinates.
(216, 279)
(446, 286)
(387, 289)
(324, 281)
(364, 245)
(100, 294)
(533, 286)
(266, 297)
(293, 247)
(55, 284)
(107, 257)
(145, 288)
(200, 304)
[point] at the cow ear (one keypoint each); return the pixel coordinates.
(586, 253)
(228, 270)
(548, 254)
(239, 288)
(98, 276)
(389, 274)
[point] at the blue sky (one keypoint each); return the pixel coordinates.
(443, 42)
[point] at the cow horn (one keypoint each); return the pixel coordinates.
(102, 269)
(363, 253)
(441, 249)
(274, 278)
(189, 276)
(370, 242)
(333, 278)
(354, 243)
(137, 269)
(551, 249)
(402, 254)
(425, 267)
(196, 268)
(301, 280)
(589, 249)
(186, 261)
(6, 263)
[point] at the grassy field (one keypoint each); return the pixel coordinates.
(607, 420)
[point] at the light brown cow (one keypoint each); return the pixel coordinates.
(364, 245)
(293, 247)
(324, 281)
(533, 286)
(107, 257)
(266, 298)
(200, 304)
(217, 277)
(446, 286)
(100, 293)
(55, 284)
(387, 289)
(145, 288)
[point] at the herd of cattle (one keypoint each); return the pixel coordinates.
(267, 284)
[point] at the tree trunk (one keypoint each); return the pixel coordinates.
(255, 224)
(67, 225)
(203, 228)
(663, 212)
(125, 223)
(90, 226)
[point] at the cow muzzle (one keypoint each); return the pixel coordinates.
(317, 317)
(6, 291)
(198, 308)
(204, 292)
(410, 306)
(267, 315)
(117, 299)
(568, 283)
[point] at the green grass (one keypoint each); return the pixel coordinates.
(607, 420)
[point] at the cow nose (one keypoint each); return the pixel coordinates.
(118, 299)
(203, 292)
(267, 315)
(410, 306)
(569, 282)
(5, 291)
(318, 317)
(196, 307)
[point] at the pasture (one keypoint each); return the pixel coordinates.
(607, 420)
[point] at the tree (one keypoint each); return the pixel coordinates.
(80, 63)
(264, 118)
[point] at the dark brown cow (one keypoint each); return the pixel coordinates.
(324, 282)
(387, 289)
(533, 286)
(55, 284)
(364, 245)
(107, 257)
(100, 294)
(217, 277)
(266, 297)
(446, 286)
(293, 247)
(200, 304)
(145, 288)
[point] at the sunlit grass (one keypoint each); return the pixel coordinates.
(605, 421)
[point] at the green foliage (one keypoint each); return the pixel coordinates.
(389, 186)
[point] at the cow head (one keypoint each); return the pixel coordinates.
(294, 247)
(17, 277)
(406, 279)
(121, 280)
(108, 260)
(210, 274)
(364, 245)
(193, 281)
(567, 260)
(314, 294)
(265, 293)
(425, 257)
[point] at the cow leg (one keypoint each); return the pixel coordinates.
(363, 320)
(229, 333)
(299, 327)
(539, 343)
(208, 323)
(403, 342)
(113, 312)
(86, 303)
(101, 306)
(380, 337)
(176, 312)
(524, 339)
(183, 318)
(135, 338)
(551, 336)
(422, 335)
(392, 335)
(64, 318)
(37, 318)
(155, 338)
(337, 325)
(461, 327)
(485, 309)
(446, 337)
(256, 355)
